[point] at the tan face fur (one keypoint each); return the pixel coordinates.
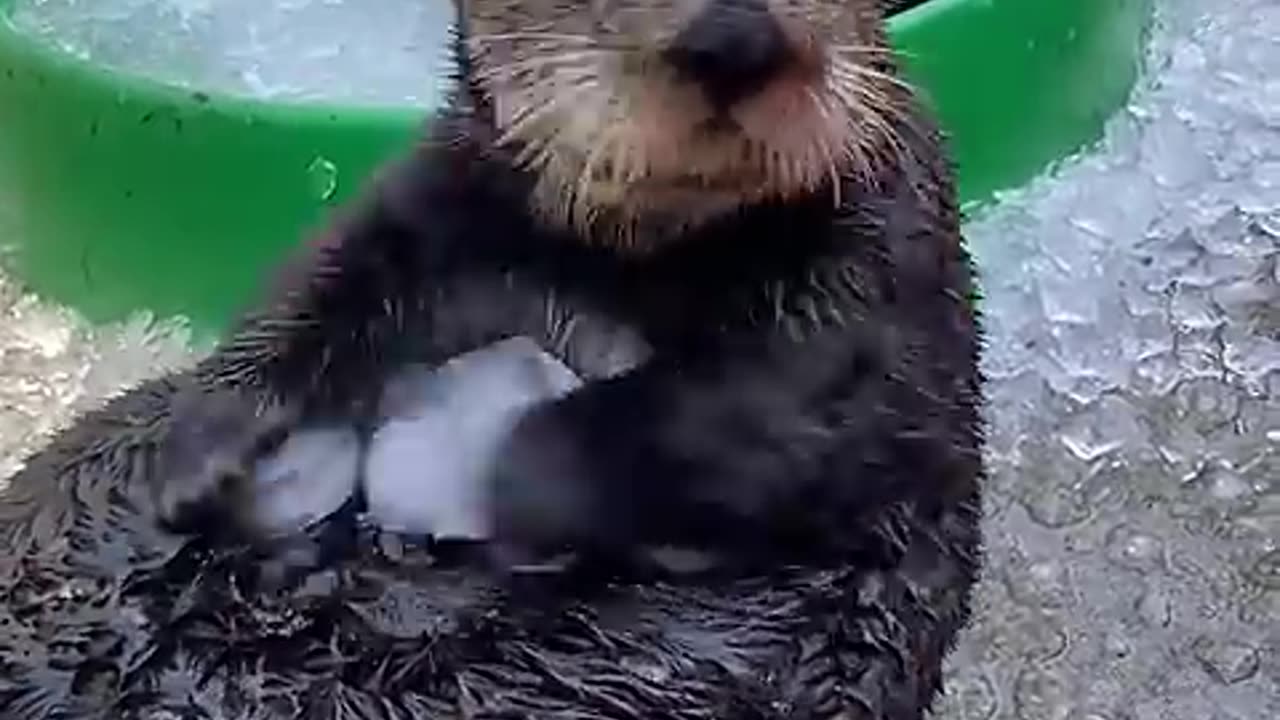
(585, 95)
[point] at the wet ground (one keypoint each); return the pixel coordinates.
(1133, 302)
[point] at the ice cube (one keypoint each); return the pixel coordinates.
(426, 463)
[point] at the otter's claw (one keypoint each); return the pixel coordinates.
(205, 464)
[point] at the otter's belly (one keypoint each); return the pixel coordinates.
(421, 469)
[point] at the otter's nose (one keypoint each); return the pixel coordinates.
(731, 48)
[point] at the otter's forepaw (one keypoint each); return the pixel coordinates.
(544, 502)
(205, 463)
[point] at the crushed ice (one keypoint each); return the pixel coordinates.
(1133, 306)
(54, 365)
(375, 52)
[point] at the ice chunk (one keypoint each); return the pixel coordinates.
(376, 52)
(308, 478)
(427, 461)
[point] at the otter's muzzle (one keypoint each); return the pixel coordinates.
(731, 49)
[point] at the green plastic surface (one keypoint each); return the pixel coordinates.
(119, 194)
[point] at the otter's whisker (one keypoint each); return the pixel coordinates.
(887, 132)
(872, 51)
(824, 146)
(621, 170)
(851, 108)
(514, 68)
(530, 115)
(866, 104)
(531, 36)
(860, 73)
(587, 173)
(543, 151)
(536, 153)
(553, 83)
(779, 168)
(532, 106)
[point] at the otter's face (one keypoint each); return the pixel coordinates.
(678, 110)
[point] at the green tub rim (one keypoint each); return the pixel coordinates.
(123, 193)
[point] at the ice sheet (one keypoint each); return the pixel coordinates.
(1133, 303)
(379, 52)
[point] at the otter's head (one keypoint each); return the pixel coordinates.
(641, 114)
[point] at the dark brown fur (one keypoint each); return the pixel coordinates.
(806, 408)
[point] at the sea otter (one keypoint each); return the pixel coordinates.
(739, 198)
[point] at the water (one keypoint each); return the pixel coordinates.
(372, 52)
(1133, 301)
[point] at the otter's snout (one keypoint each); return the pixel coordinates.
(731, 49)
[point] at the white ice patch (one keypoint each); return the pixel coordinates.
(427, 462)
(307, 479)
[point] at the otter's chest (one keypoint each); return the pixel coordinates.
(601, 315)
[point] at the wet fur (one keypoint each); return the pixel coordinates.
(105, 615)
(807, 408)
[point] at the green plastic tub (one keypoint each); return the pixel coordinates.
(119, 194)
